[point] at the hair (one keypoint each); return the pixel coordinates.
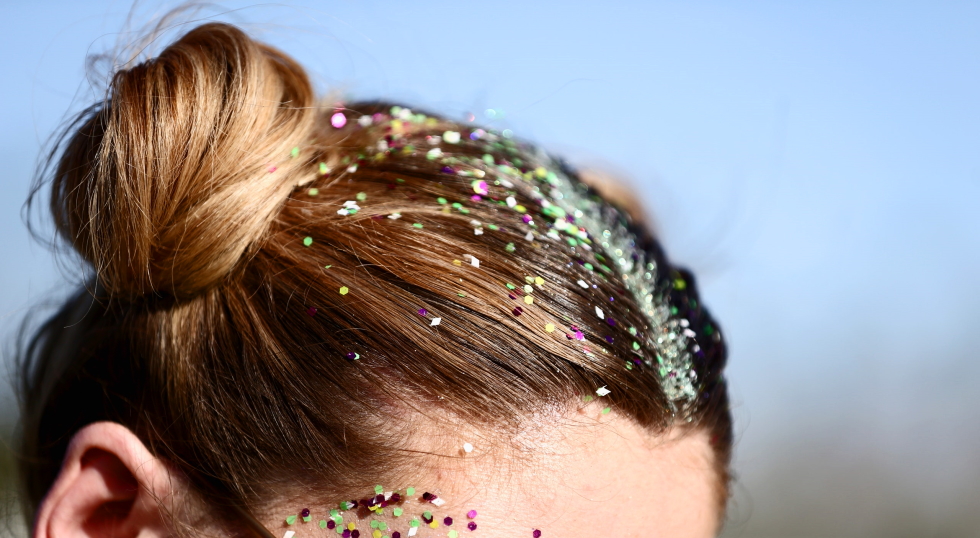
(232, 311)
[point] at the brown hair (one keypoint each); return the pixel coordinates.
(229, 296)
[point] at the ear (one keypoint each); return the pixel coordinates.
(110, 486)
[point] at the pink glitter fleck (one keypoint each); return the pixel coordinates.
(471, 514)
(311, 311)
(338, 120)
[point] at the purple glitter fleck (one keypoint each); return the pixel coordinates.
(355, 533)
(345, 534)
(423, 312)
(311, 311)
(304, 512)
(396, 534)
(331, 524)
(609, 339)
(447, 521)
(351, 355)
(536, 533)
(471, 526)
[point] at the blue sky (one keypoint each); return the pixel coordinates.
(815, 163)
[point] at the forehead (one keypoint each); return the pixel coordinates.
(590, 475)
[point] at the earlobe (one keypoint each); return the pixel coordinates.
(110, 486)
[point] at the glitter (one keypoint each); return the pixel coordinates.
(602, 391)
(473, 261)
(451, 137)
(518, 310)
(467, 448)
(361, 196)
(294, 153)
(583, 284)
(609, 339)
(480, 187)
(313, 192)
(471, 514)
(457, 263)
(536, 533)
(434, 153)
(364, 120)
(307, 241)
(528, 288)
(398, 512)
(324, 169)
(352, 168)
(412, 531)
(410, 491)
(344, 290)
(395, 216)
(435, 321)
(511, 201)
(441, 200)
(510, 247)
(422, 312)
(272, 169)
(290, 520)
(288, 534)
(351, 356)
(606, 410)
(417, 225)
(338, 120)
(528, 299)
(350, 207)
(322, 523)
(539, 281)
(550, 327)
(378, 490)
(453, 534)
(311, 311)
(600, 313)
(507, 133)
(478, 231)
(471, 526)
(447, 521)
(437, 501)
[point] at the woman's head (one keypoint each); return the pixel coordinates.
(293, 302)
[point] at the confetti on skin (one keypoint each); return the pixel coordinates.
(602, 391)
(323, 524)
(307, 241)
(395, 216)
(471, 514)
(410, 491)
(338, 120)
(344, 290)
(437, 501)
(412, 531)
(588, 398)
(453, 534)
(471, 526)
(435, 321)
(398, 512)
(473, 260)
(289, 534)
(378, 490)
(536, 533)
(467, 447)
(290, 520)
(550, 327)
(447, 521)
(606, 410)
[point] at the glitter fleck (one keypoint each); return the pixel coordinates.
(471, 526)
(550, 327)
(351, 356)
(307, 241)
(435, 321)
(338, 120)
(311, 311)
(422, 312)
(600, 313)
(602, 391)
(536, 533)
(451, 137)
(344, 290)
(467, 447)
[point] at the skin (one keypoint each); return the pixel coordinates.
(585, 474)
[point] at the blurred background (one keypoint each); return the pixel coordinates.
(816, 163)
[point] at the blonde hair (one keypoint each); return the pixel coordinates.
(229, 296)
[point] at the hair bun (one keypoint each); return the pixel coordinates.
(164, 186)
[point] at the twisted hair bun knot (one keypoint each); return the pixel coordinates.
(185, 164)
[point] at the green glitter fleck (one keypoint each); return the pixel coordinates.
(410, 491)
(492, 226)
(589, 266)
(464, 211)
(323, 523)
(382, 526)
(633, 331)
(441, 200)
(307, 519)
(290, 520)
(453, 534)
(587, 399)
(510, 286)
(307, 241)
(374, 523)
(327, 266)
(323, 169)
(314, 192)
(427, 514)
(295, 152)
(361, 196)
(510, 247)
(414, 523)
(399, 180)
(457, 205)
(629, 365)
(398, 512)
(417, 225)
(636, 345)
(606, 411)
